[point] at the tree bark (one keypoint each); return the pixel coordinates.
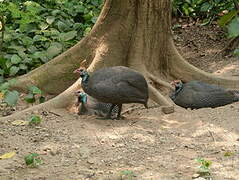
(133, 33)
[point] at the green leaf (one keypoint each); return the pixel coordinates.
(42, 99)
(88, 16)
(80, 8)
(34, 120)
(62, 26)
(233, 28)
(55, 12)
(54, 49)
(4, 86)
(22, 54)
(236, 52)
(30, 98)
(8, 64)
(32, 49)
(1, 79)
(39, 38)
(23, 67)
(50, 19)
(38, 54)
(227, 18)
(14, 70)
(29, 158)
(77, 26)
(94, 19)
(11, 97)
(43, 26)
(95, 2)
(205, 7)
(15, 59)
(34, 90)
(27, 41)
(18, 48)
(87, 30)
(68, 36)
(32, 160)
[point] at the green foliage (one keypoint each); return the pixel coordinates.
(231, 21)
(127, 174)
(34, 93)
(204, 9)
(36, 32)
(227, 18)
(9, 97)
(204, 165)
(233, 28)
(34, 120)
(236, 52)
(33, 160)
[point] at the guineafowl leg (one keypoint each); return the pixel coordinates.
(119, 112)
(108, 116)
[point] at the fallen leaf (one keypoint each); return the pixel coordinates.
(20, 123)
(1, 95)
(7, 155)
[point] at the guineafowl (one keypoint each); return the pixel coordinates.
(116, 85)
(196, 94)
(89, 105)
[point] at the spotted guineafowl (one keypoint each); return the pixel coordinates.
(116, 85)
(90, 106)
(196, 94)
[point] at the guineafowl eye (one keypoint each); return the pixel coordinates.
(83, 97)
(77, 93)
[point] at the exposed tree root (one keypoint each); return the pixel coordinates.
(159, 81)
(63, 101)
(181, 69)
(167, 105)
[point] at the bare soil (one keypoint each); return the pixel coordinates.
(148, 143)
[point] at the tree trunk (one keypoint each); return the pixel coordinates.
(133, 33)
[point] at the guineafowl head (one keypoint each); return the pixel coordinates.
(177, 84)
(82, 97)
(83, 74)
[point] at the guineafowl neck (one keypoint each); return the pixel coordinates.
(85, 79)
(84, 82)
(83, 108)
(178, 89)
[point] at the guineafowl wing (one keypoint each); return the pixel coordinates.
(118, 92)
(189, 98)
(201, 86)
(117, 85)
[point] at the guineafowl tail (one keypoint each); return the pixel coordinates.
(236, 95)
(146, 105)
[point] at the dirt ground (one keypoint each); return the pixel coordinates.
(152, 145)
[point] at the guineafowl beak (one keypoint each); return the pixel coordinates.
(81, 71)
(77, 71)
(173, 83)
